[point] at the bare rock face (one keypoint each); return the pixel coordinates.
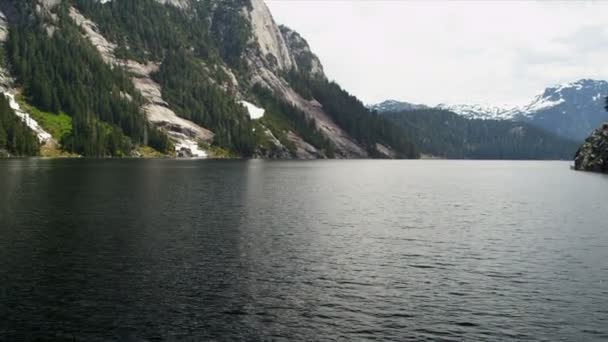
(273, 47)
(290, 49)
(304, 150)
(385, 151)
(593, 155)
(298, 46)
(177, 3)
(345, 145)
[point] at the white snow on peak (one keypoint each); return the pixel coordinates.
(479, 111)
(43, 136)
(551, 97)
(255, 112)
(539, 103)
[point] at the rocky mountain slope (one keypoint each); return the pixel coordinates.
(182, 77)
(571, 110)
(593, 154)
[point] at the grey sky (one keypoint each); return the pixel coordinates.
(492, 52)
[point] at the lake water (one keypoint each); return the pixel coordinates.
(325, 250)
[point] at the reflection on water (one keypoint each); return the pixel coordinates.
(391, 250)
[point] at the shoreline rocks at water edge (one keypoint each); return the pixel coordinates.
(593, 154)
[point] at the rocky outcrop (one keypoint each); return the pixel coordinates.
(289, 49)
(593, 155)
(307, 61)
(271, 42)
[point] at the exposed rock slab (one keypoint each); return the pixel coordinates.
(386, 151)
(307, 61)
(304, 150)
(346, 147)
(272, 44)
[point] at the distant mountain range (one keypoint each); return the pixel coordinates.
(572, 110)
(443, 134)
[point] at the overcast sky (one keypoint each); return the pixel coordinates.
(430, 52)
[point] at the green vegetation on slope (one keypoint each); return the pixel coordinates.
(191, 45)
(58, 125)
(188, 89)
(349, 113)
(64, 73)
(281, 117)
(445, 134)
(15, 137)
(147, 30)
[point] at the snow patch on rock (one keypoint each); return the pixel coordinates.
(345, 145)
(254, 111)
(43, 136)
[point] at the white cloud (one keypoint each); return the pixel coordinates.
(499, 52)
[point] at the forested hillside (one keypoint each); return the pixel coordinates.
(445, 134)
(365, 127)
(62, 72)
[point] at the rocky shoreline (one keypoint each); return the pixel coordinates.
(593, 154)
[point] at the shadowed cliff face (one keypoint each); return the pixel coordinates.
(593, 155)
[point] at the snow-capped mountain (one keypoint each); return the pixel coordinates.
(396, 106)
(477, 111)
(572, 110)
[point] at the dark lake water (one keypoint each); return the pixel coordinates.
(327, 250)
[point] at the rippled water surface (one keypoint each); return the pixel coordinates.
(328, 250)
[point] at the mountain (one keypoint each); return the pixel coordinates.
(179, 77)
(477, 111)
(444, 134)
(571, 110)
(395, 106)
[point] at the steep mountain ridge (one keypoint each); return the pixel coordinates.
(192, 68)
